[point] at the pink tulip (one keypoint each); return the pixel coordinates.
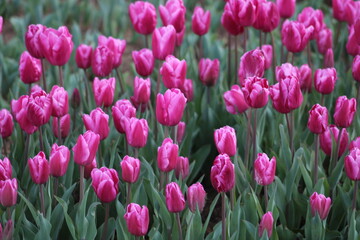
(32, 40)
(200, 22)
(318, 119)
(325, 80)
(88, 169)
(230, 19)
(143, 61)
(209, 71)
(196, 197)
(19, 110)
(256, 91)
(252, 64)
(105, 182)
(137, 131)
(295, 35)
(345, 110)
(329, 58)
(142, 90)
(102, 61)
(83, 56)
(59, 160)
(137, 219)
(356, 68)
(287, 70)
(167, 156)
(266, 223)
(173, 72)
(130, 168)
(175, 201)
(170, 107)
(188, 89)
(180, 132)
(104, 90)
(286, 8)
(86, 147)
(222, 174)
(98, 122)
(324, 40)
(5, 169)
(352, 10)
(225, 140)
(173, 13)
(305, 78)
(39, 108)
(268, 16)
(39, 168)
(352, 45)
(163, 42)
(182, 167)
(354, 144)
(326, 140)
(60, 102)
(264, 169)
(180, 37)
(268, 54)
(320, 204)
(1, 24)
(339, 9)
(6, 123)
(143, 17)
(116, 46)
(29, 68)
(8, 193)
(64, 126)
(311, 17)
(352, 164)
(122, 109)
(235, 101)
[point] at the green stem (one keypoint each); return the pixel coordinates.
(337, 149)
(266, 196)
(82, 169)
(146, 41)
(229, 59)
(254, 141)
(61, 82)
(179, 225)
(107, 210)
(42, 199)
(59, 131)
(236, 58)
(86, 84)
(316, 162)
(274, 63)
(8, 212)
(354, 197)
(120, 82)
(248, 138)
(223, 216)
(128, 196)
(43, 74)
(41, 139)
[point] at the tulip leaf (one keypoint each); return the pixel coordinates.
(199, 157)
(121, 229)
(91, 218)
(45, 228)
(306, 177)
(290, 177)
(212, 206)
(68, 219)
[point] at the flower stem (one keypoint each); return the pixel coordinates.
(309, 54)
(316, 158)
(236, 58)
(104, 232)
(337, 150)
(26, 150)
(8, 212)
(266, 196)
(146, 41)
(61, 82)
(120, 82)
(43, 74)
(229, 59)
(274, 63)
(179, 225)
(200, 48)
(245, 39)
(59, 131)
(260, 39)
(41, 139)
(136, 152)
(354, 197)
(128, 196)
(248, 138)
(82, 169)
(254, 141)
(223, 216)
(42, 201)
(290, 130)
(175, 129)
(87, 94)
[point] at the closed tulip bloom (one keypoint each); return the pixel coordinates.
(32, 41)
(339, 9)
(142, 90)
(345, 110)
(39, 108)
(222, 174)
(352, 10)
(268, 16)
(324, 40)
(182, 167)
(230, 19)
(102, 61)
(130, 168)
(163, 42)
(352, 45)
(356, 68)
(180, 37)
(188, 89)
(1, 24)
(8, 193)
(356, 27)
(173, 72)
(19, 110)
(105, 182)
(352, 164)
(35, 88)
(56, 45)
(173, 13)
(88, 168)
(235, 101)
(252, 64)
(29, 68)
(143, 61)
(196, 196)
(167, 155)
(39, 168)
(286, 95)
(268, 54)
(83, 56)
(60, 102)
(200, 22)
(305, 78)
(286, 70)
(64, 126)
(329, 58)
(286, 8)
(86, 147)
(209, 71)
(104, 91)
(5, 169)
(6, 123)
(295, 35)
(256, 91)
(246, 12)
(98, 122)
(122, 109)
(137, 131)
(326, 140)
(318, 119)
(264, 169)
(175, 201)
(225, 140)
(312, 17)
(354, 144)
(137, 219)
(325, 80)
(266, 223)
(143, 17)
(180, 132)
(320, 205)
(59, 160)
(170, 107)
(117, 46)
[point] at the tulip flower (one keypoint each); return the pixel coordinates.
(59, 160)
(142, 91)
(6, 123)
(266, 223)
(104, 91)
(19, 109)
(326, 140)
(83, 56)
(325, 80)
(256, 91)
(286, 8)
(143, 61)
(305, 78)
(268, 16)
(356, 68)
(225, 140)
(130, 168)
(355, 143)
(102, 61)
(8, 192)
(286, 70)
(235, 101)
(318, 119)
(329, 58)
(29, 68)
(137, 219)
(39, 168)
(32, 40)
(170, 107)
(188, 89)
(352, 169)
(86, 147)
(264, 169)
(180, 132)
(230, 19)
(163, 42)
(167, 156)
(39, 108)
(122, 109)
(60, 105)
(345, 110)
(116, 46)
(88, 168)
(324, 40)
(209, 71)
(136, 131)
(222, 173)
(311, 17)
(105, 182)
(182, 167)
(320, 205)
(175, 201)
(339, 9)
(200, 21)
(196, 196)
(295, 35)
(268, 54)
(252, 64)
(1, 24)
(64, 126)
(5, 169)
(352, 45)
(173, 72)
(173, 13)
(98, 122)
(143, 17)
(180, 37)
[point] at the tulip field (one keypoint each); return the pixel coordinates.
(179, 119)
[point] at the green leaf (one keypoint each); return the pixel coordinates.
(68, 219)
(45, 228)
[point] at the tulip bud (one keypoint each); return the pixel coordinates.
(324, 40)
(105, 183)
(200, 21)
(182, 167)
(104, 91)
(32, 40)
(39, 168)
(19, 109)
(352, 164)
(230, 17)
(180, 132)
(188, 89)
(142, 91)
(130, 168)
(222, 173)
(143, 61)
(88, 168)
(137, 219)
(356, 68)
(98, 122)
(268, 54)
(320, 205)
(295, 35)
(8, 193)
(102, 61)
(1, 24)
(83, 56)
(173, 72)
(167, 155)
(318, 119)
(59, 160)
(7, 233)
(252, 64)
(286, 70)
(86, 147)
(136, 131)
(75, 98)
(352, 45)
(196, 196)
(264, 169)
(351, 11)
(143, 17)
(5, 169)
(173, 13)
(170, 107)
(266, 223)
(235, 101)
(163, 42)
(305, 78)
(29, 68)
(354, 144)
(326, 140)
(256, 91)
(329, 58)
(311, 17)
(225, 140)
(175, 201)
(339, 7)
(268, 16)
(345, 110)
(122, 109)
(209, 71)
(6, 123)
(64, 126)
(116, 46)
(325, 80)
(286, 8)
(39, 108)
(60, 105)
